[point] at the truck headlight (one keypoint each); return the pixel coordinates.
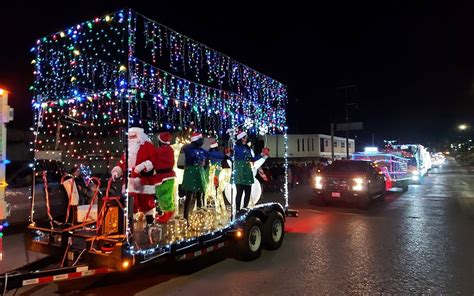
(357, 184)
(318, 183)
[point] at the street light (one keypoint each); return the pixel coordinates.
(463, 127)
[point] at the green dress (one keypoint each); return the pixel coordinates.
(243, 158)
(243, 173)
(194, 179)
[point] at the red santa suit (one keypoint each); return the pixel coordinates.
(141, 156)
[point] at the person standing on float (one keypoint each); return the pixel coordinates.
(141, 156)
(164, 178)
(243, 174)
(212, 194)
(195, 178)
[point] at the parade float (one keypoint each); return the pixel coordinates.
(98, 81)
(392, 165)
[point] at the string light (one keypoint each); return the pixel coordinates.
(93, 79)
(3, 225)
(285, 142)
(176, 229)
(202, 220)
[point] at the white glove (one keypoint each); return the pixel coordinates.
(147, 166)
(139, 168)
(116, 173)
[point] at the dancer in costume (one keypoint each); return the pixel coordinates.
(212, 194)
(195, 178)
(243, 173)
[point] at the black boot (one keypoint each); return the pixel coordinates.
(159, 212)
(149, 220)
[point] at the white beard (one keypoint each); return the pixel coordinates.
(133, 147)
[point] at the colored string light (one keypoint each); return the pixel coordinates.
(94, 78)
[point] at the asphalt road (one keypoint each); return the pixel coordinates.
(418, 242)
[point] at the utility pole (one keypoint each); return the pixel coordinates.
(347, 131)
(348, 122)
(332, 141)
(346, 89)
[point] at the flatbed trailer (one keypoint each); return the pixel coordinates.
(93, 80)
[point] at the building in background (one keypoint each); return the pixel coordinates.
(308, 146)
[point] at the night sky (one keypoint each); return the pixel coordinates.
(413, 63)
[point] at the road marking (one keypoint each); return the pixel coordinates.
(326, 212)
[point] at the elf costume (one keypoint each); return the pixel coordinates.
(243, 172)
(164, 177)
(212, 193)
(195, 178)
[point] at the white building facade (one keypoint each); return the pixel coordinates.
(308, 146)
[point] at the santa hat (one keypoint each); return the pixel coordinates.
(165, 138)
(136, 127)
(137, 130)
(195, 137)
(241, 134)
(213, 143)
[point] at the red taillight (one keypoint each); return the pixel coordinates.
(388, 184)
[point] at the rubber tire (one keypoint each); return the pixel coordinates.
(364, 203)
(244, 253)
(405, 187)
(382, 195)
(322, 202)
(270, 243)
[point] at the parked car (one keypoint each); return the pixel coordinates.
(354, 181)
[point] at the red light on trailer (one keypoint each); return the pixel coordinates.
(125, 264)
(239, 233)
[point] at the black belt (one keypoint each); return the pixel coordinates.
(147, 174)
(162, 171)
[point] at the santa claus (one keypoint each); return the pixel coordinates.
(141, 156)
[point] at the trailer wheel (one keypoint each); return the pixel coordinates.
(249, 247)
(274, 231)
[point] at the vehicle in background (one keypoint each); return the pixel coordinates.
(394, 167)
(415, 174)
(354, 181)
(421, 155)
(437, 159)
